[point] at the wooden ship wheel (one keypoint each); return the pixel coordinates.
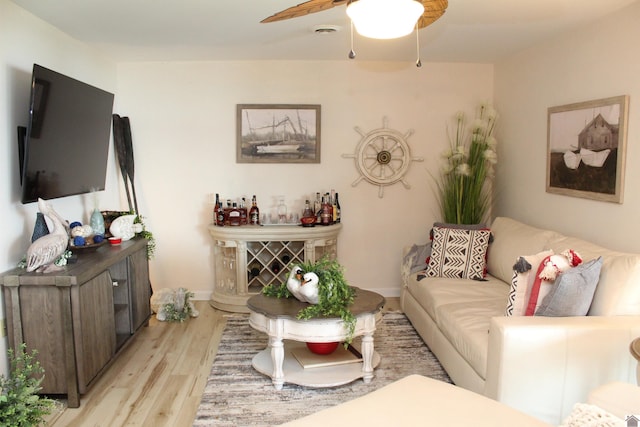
(383, 157)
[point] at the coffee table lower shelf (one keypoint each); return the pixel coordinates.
(294, 373)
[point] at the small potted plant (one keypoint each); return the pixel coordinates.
(334, 296)
(20, 404)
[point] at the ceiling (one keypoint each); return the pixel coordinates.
(168, 30)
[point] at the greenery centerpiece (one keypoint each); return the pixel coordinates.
(20, 404)
(335, 296)
(463, 190)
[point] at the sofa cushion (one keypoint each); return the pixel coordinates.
(512, 239)
(458, 253)
(466, 326)
(432, 292)
(617, 293)
(524, 274)
(572, 292)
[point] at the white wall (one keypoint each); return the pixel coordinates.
(25, 39)
(183, 118)
(594, 62)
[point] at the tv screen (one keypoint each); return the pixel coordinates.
(67, 140)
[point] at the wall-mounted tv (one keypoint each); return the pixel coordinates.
(66, 145)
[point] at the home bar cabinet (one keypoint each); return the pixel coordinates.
(247, 258)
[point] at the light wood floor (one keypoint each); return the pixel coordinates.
(159, 378)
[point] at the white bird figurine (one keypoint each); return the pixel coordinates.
(294, 281)
(43, 252)
(309, 287)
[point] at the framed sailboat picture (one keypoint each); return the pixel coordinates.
(277, 133)
(586, 146)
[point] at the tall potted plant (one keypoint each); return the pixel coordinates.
(464, 188)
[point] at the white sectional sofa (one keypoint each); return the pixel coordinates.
(539, 365)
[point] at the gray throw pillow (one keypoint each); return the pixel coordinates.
(416, 259)
(572, 292)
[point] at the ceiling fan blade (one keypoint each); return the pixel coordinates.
(311, 6)
(433, 9)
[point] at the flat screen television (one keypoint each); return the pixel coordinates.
(66, 145)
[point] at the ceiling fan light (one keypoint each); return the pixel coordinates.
(384, 19)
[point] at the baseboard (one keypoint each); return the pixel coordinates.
(201, 295)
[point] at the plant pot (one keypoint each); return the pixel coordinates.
(322, 347)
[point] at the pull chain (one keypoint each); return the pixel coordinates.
(352, 54)
(418, 62)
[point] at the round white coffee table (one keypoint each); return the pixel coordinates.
(277, 318)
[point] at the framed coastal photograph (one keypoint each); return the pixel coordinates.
(586, 146)
(279, 133)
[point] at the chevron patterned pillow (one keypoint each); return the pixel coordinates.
(458, 253)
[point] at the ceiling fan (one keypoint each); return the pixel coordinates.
(433, 9)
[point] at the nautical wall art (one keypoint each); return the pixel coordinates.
(586, 145)
(383, 157)
(282, 133)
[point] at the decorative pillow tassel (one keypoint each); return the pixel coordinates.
(574, 258)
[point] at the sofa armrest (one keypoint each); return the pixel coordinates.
(544, 365)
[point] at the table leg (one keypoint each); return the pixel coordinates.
(367, 357)
(277, 359)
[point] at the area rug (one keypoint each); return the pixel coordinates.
(238, 395)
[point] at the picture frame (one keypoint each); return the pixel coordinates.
(278, 133)
(586, 149)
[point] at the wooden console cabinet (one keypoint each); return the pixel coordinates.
(247, 258)
(78, 319)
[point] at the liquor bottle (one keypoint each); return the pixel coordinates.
(317, 208)
(234, 215)
(254, 213)
(326, 216)
(307, 212)
(220, 215)
(330, 203)
(334, 208)
(338, 210)
(215, 209)
(243, 212)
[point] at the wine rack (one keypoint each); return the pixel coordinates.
(248, 258)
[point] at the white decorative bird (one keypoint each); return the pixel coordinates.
(294, 281)
(42, 253)
(309, 287)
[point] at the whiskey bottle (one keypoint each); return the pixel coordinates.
(220, 215)
(215, 209)
(254, 212)
(337, 210)
(317, 208)
(234, 215)
(334, 208)
(243, 212)
(326, 216)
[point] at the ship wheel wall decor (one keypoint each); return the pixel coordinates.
(383, 157)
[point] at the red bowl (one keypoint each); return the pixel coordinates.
(322, 347)
(115, 241)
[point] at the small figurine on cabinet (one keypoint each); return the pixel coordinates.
(44, 251)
